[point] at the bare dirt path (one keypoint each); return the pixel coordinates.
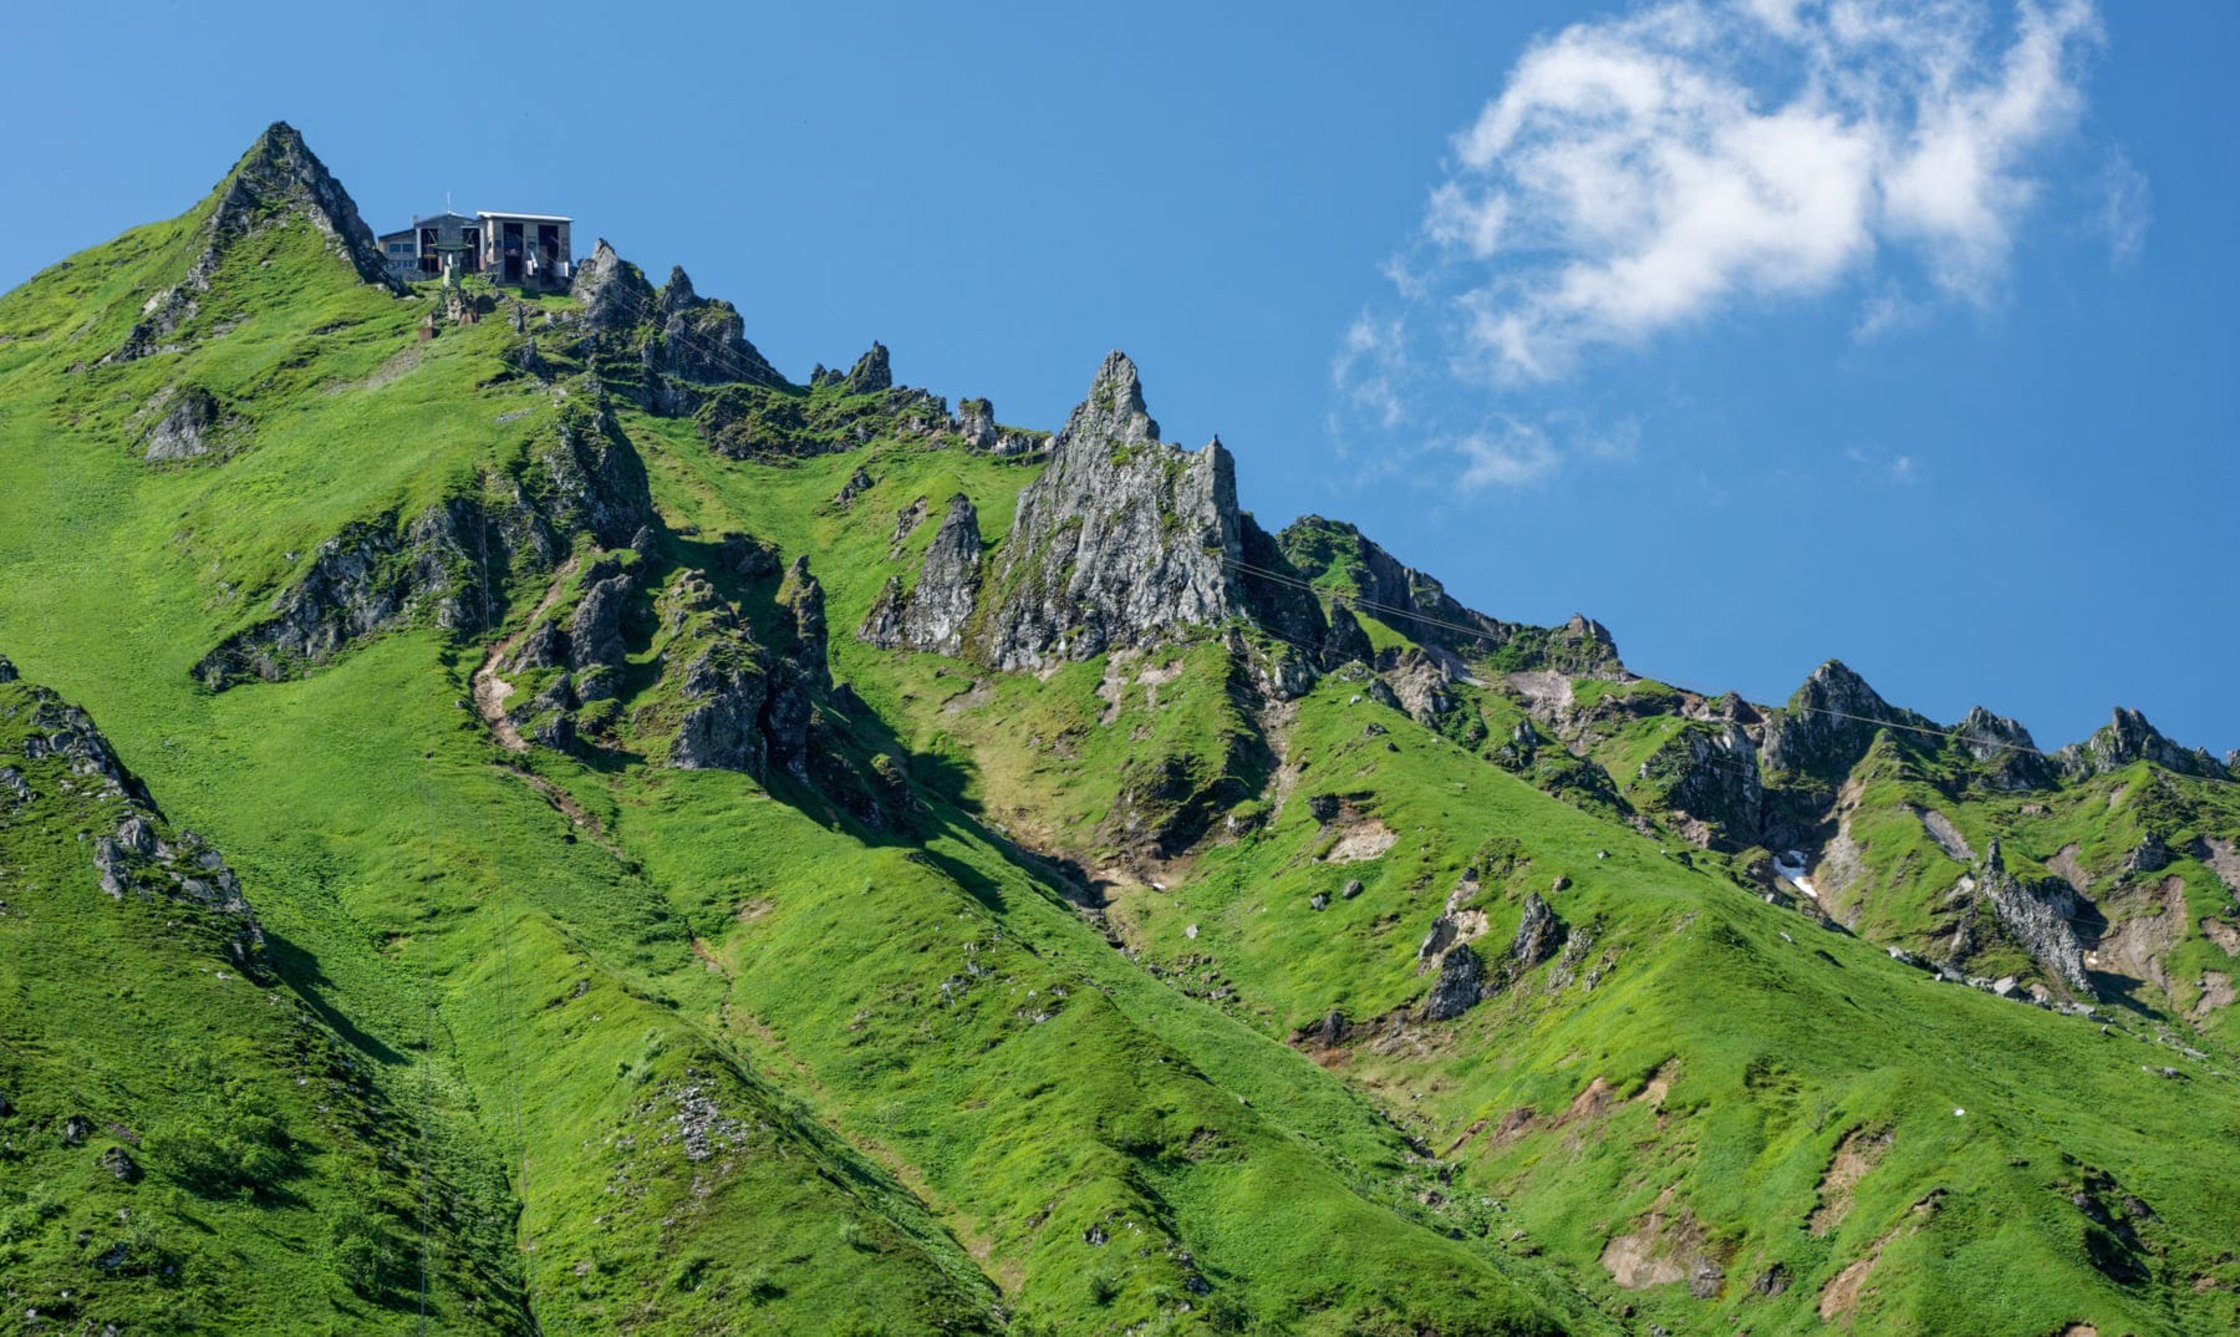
(491, 691)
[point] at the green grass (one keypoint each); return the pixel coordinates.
(923, 1090)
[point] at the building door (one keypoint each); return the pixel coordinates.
(428, 260)
(472, 236)
(512, 236)
(548, 249)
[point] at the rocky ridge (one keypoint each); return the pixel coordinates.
(64, 756)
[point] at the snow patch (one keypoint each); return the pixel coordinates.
(1791, 865)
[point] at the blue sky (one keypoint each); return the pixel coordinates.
(1763, 331)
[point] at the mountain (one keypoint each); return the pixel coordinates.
(554, 827)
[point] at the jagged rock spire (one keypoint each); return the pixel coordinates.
(1122, 539)
(1113, 414)
(614, 292)
(933, 614)
(677, 294)
(871, 372)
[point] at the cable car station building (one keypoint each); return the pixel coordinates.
(516, 250)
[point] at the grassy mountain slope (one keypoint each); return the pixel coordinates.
(948, 999)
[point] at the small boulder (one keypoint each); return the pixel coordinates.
(1351, 889)
(117, 1161)
(1461, 976)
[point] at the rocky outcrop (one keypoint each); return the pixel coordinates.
(2038, 914)
(2128, 738)
(725, 690)
(1709, 776)
(976, 424)
(1830, 723)
(871, 372)
(192, 423)
(446, 564)
(2009, 756)
(1419, 682)
(702, 340)
(1340, 557)
(933, 614)
(279, 180)
(65, 759)
(1123, 539)
(595, 629)
(614, 293)
(1539, 933)
(1461, 975)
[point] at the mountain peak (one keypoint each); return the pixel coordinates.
(277, 179)
(2128, 737)
(614, 292)
(280, 175)
(1830, 723)
(1113, 413)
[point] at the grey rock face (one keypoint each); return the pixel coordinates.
(2005, 748)
(1436, 940)
(1539, 932)
(2128, 738)
(1455, 992)
(976, 423)
(7, 670)
(1121, 540)
(1711, 775)
(277, 180)
(725, 684)
(2037, 916)
(703, 341)
(595, 632)
(2151, 855)
(1420, 683)
(906, 522)
(722, 728)
(858, 483)
(192, 425)
(1420, 606)
(614, 292)
(871, 372)
(802, 595)
(1830, 723)
(377, 574)
(933, 614)
(882, 626)
(139, 856)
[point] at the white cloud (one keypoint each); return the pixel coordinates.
(1887, 311)
(1881, 467)
(1641, 173)
(2126, 207)
(1508, 455)
(1372, 360)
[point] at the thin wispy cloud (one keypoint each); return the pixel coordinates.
(1884, 467)
(1642, 174)
(2126, 207)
